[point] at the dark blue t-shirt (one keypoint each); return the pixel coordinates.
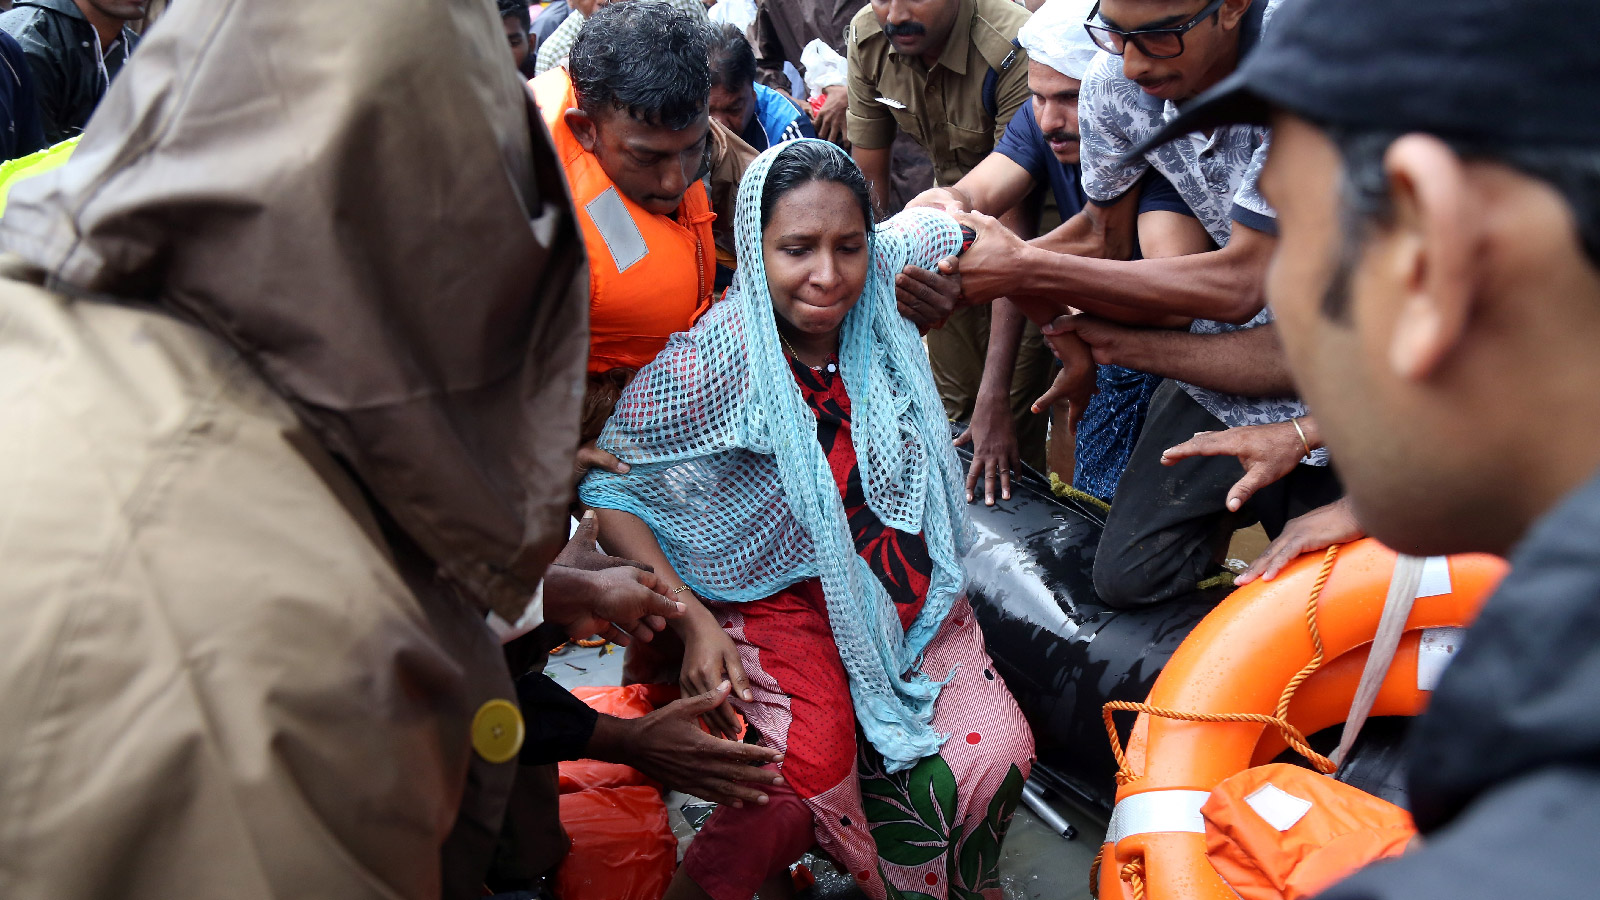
(1024, 144)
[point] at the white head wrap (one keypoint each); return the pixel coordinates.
(1055, 36)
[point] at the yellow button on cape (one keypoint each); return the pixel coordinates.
(497, 731)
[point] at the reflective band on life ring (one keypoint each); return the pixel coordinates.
(1154, 812)
(1438, 647)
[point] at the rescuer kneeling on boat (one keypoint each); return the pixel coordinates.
(792, 475)
(1437, 284)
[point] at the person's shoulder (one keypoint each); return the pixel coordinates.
(997, 20)
(775, 102)
(22, 20)
(1103, 69)
(865, 30)
(9, 47)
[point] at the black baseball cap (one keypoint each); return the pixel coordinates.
(1509, 72)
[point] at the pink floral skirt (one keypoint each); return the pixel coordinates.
(933, 831)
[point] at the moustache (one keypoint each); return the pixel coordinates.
(909, 29)
(1062, 137)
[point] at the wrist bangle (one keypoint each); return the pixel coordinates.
(1302, 432)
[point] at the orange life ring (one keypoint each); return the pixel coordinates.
(1239, 660)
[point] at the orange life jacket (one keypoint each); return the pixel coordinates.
(1281, 832)
(649, 275)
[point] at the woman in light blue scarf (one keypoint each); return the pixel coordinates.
(792, 477)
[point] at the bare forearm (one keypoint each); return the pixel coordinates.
(1198, 286)
(995, 186)
(875, 166)
(1006, 324)
(1249, 363)
(1224, 285)
(1102, 232)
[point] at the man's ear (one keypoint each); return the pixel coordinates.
(1232, 12)
(1434, 237)
(583, 128)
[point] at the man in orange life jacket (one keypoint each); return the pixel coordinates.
(629, 119)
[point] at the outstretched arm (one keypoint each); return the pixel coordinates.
(1249, 363)
(994, 186)
(1223, 285)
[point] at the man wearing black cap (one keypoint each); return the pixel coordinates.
(1438, 287)
(1171, 524)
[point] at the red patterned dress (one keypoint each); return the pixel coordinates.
(933, 831)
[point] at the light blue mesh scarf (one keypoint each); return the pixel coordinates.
(729, 475)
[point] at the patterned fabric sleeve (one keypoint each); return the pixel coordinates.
(554, 49)
(1250, 209)
(1104, 119)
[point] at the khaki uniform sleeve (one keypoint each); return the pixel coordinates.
(730, 157)
(868, 125)
(1011, 92)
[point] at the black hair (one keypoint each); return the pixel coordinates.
(517, 9)
(1365, 200)
(733, 62)
(645, 57)
(804, 162)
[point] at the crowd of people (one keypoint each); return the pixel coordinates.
(349, 367)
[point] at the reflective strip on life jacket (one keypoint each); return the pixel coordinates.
(1277, 807)
(1157, 811)
(617, 228)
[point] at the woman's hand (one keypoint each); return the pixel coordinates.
(1316, 530)
(709, 659)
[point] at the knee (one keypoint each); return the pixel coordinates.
(1004, 741)
(1120, 585)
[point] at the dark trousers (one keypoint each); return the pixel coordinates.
(1169, 528)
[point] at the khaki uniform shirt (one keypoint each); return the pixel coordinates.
(941, 107)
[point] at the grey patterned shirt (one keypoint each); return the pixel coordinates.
(1217, 175)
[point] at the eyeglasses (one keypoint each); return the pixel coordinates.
(1156, 43)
